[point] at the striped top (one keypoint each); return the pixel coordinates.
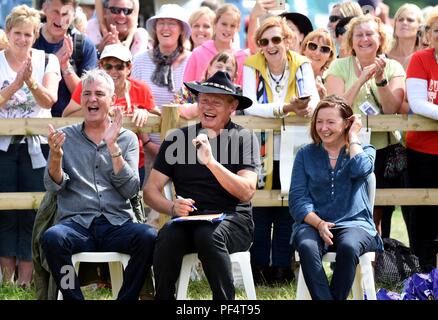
(144, 67)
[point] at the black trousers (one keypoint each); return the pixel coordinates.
(212, 241)
(423, 173)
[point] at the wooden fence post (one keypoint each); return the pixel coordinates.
(169, 121)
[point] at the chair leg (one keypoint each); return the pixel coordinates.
(302, 291)
(357, 287)
(184, 276)
(116, 274)
(244, 262)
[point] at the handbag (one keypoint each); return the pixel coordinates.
(396, 161)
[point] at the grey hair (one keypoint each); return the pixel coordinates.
(98, 74)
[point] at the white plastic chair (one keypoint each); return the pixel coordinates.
(364, 279)
(242, 259)
(117, 263)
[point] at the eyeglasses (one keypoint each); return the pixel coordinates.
(263, 42)
(118, 10)
(333, 19)
(312, 46)
(118, 67)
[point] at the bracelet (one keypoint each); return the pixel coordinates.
(116, 154)
(68, 70)
(317, 227)
(355, 142)
(144, 144)
(172, 210)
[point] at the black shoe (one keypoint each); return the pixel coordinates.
(281, 275)
(260, 275)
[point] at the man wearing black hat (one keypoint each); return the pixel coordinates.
(213, 168)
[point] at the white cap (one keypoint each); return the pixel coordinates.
(170, 11)
(118, 51)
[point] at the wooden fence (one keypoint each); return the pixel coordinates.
(170, 119)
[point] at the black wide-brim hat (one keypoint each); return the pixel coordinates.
(219, 83)
(300, 20)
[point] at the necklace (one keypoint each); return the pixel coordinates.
(278, 87)
(333, 158)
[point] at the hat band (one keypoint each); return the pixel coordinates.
(217, 85)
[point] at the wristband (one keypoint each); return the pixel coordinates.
(317, 227)
(355, 142)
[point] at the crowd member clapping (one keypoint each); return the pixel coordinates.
(371, 83)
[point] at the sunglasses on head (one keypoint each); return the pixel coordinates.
(109, 66)
(312, 46)
(333, 19)
(118, 10)
(263, 42)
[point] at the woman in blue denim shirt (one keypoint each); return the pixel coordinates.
(328, 199)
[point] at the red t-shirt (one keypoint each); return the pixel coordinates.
(424, 66)
(141, 97)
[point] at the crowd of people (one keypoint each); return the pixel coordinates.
(65, 61)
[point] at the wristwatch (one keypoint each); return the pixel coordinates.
(382, 84)
(116, 154)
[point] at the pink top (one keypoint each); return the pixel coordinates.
(201, 57)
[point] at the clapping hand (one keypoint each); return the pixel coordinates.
(56, 139)
(112, 132)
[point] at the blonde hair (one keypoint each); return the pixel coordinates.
(226, 8)
(24, 15)
(349, 9)
(348, 38)
(202, 11)
(432, 16)
(323, 34)
(400, 11)
(3, 40)
(272, 22)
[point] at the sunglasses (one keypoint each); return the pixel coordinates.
(263, 42)
(118, 67)
(312, 46)
(333, 19)
(118, 10)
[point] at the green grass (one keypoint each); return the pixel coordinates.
(200, 290)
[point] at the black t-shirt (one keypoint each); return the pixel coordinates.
(236, 148)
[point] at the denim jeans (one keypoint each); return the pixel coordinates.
(272, 232)
(348, 243)
(17, 175)
(63, 240)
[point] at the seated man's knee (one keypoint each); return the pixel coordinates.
(52, 239)
(146, 234)
(347, 250)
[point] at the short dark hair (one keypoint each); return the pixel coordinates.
(331, 101)
(64, 2)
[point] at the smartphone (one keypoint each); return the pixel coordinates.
(280, 6)
(304, 97)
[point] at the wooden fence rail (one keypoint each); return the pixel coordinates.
(170, 119)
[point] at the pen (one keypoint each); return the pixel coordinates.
(179, 197)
